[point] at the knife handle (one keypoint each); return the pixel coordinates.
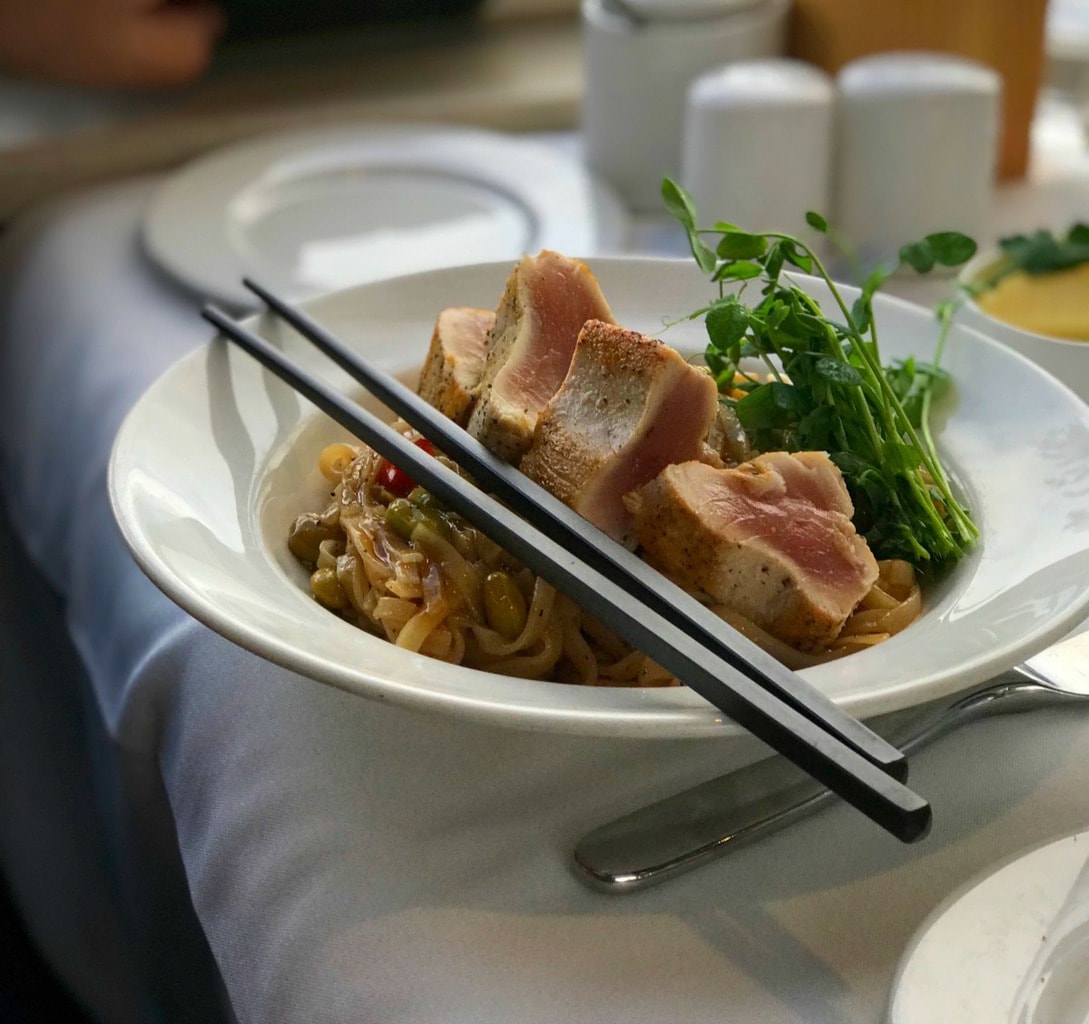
(681, 832)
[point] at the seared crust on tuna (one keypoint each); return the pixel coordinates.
(547, 300)
(629, 407)
(771, 539)
(451, 373)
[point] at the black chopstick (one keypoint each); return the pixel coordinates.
(533, 503)
(806, 743)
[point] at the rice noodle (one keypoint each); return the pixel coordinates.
(426, 594)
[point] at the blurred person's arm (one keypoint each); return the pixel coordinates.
(109, 43)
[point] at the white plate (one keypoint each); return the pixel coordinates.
(1012, 948)
(215, 461)
(308, 212)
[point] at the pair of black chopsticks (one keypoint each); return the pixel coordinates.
(633, 599)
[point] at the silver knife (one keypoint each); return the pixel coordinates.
(681, 832)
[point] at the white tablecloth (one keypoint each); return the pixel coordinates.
(174, 810)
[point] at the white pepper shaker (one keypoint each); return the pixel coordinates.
(758, 145)
(916, 149)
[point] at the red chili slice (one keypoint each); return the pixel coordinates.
(396, 480)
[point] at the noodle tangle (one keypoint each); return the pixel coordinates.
(406, 569)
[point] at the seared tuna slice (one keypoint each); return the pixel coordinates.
(455, 361)
(547, 300)
(628, 408)
(810, 476)
(771, 539)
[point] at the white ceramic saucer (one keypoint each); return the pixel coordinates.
(1010, 948)
(314, 211)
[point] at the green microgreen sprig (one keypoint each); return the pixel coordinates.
(1042, 252)
(823, 385)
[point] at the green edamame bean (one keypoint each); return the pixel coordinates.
(504, 605)
(327, 589)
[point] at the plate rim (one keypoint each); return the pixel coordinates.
(561, 209)
(985, 876)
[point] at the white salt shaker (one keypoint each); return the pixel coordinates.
(639, 57)
(758, 145)
(916, 149)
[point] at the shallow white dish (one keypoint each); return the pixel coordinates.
(218, 457)
(307, 212)
(1066, 358)
(1010, 948)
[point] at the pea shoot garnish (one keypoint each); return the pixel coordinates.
(823, 386)
(1042, 252)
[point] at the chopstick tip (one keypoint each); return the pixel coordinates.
(260, 291)
(915, 822)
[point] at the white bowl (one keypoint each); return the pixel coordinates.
(217, 458)
(1065, 359)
